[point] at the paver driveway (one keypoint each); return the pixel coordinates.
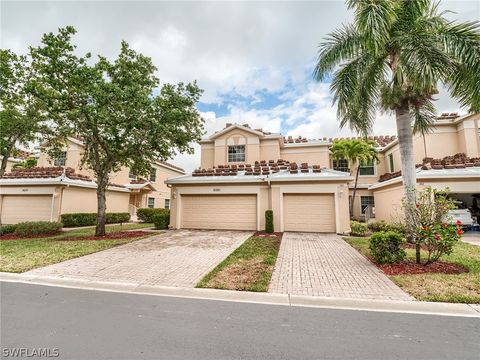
(325, 265)
(175, 258)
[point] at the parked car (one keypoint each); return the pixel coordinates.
(464, 215)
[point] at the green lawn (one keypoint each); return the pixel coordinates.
(248, 268)
(26, 254)
(458, 288)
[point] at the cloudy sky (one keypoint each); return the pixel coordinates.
(253, 59)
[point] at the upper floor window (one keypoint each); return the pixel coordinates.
(390, 163)
(151, 202)
(236, 153)
(61, 159)
(167, 203)
(367, 167)
(131, 175)
(340, 165)
(153, 175)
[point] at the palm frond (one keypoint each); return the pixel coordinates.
(423, 117)
(340, 45)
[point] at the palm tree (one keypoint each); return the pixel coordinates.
(394, 57)
(356, 152)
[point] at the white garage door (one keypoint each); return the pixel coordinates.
(18, 208)
(309, 212)
(229, 212)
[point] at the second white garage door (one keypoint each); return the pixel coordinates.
(18, 208)
(227, 212)
(309, 212)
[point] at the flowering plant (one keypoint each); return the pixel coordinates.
(439, 239)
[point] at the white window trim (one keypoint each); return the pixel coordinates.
(374, 170)
(165, 203)
(148, 202)
(244, 154)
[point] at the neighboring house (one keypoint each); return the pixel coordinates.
(20, 156)
(246, 171)
(61, 185)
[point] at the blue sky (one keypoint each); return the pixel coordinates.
(254, 60)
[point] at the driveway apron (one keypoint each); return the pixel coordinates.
(325, 265)
(175, 258)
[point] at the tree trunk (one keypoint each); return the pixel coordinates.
(405, 141)
(4, 165)
(101, 207)
(354, 190)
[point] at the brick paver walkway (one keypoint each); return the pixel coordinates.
(176, 258)
(325, 265)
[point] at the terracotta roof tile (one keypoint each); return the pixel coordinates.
(45, 172)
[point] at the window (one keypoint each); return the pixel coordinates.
(236, 153)
(151, 202)
(61, 159)
(131, 175)
(367, 202)
(367, 167)
(390, 162)
(167, 203)
(340, 165)
(153, 175)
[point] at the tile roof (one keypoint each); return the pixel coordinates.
(45, 172)
(258, 168)
(457, 161)
(380, 140)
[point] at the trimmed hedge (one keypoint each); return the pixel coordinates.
(147, 214)
(358, 228)
(29, 228)
(161, 219)
(386, 247)
(382, 225)
(88, 219)
(7, 229)
(269, 221)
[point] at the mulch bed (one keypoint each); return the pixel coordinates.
(263, 234)
(110, 236)
(412, 268)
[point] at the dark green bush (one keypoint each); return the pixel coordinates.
(29, 228)
(269, 221)
(7, 229)
(386, 247)
(88, 219)
(358, 228)
(382, 225)
(147, 214)
(162, 219)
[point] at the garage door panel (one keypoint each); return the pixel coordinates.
(18, 208)
(234, 212)
(309, 212)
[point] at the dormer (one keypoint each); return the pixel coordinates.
(239, 144)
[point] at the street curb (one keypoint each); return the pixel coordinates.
(410, 307)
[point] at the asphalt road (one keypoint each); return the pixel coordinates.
(86, 324)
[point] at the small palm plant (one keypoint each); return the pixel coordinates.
(394, 57)
(356, 152)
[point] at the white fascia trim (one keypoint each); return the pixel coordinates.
(169, 167)
(60, 180)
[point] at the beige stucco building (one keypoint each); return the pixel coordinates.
(246, 171)
(61, 186)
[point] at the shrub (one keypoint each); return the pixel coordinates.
(147, 214)
(88, 219)
(358, 228)
(269, 221)
(382, 225)
(7, 229)
(30, 228)
(439, 239)
(162, 219)
(386, 247)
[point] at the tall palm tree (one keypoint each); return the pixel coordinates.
(394, 57)
(356, 152)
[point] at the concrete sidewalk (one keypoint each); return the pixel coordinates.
(410, 307)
